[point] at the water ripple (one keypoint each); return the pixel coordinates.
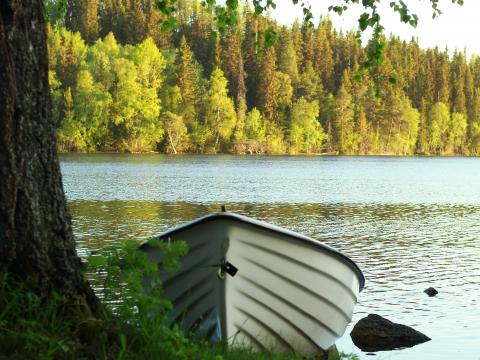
(408, 223)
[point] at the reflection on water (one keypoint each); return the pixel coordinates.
(431, 238)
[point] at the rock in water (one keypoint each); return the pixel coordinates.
(431, 291)
(375, 333)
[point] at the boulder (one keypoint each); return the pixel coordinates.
(431, 291)
(375, 333)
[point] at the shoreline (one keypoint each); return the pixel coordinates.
(386, 155)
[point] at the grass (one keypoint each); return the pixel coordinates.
(36, 328)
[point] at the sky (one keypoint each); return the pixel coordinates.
(457, 28)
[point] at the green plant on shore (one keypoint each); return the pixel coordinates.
(132, 292)
(30, 327)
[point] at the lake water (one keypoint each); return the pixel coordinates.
(409, 223)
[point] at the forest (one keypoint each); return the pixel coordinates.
(123, 81)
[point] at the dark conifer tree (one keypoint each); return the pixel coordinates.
(82, 16)
(323, 54)
(267, 101)
(287, 56)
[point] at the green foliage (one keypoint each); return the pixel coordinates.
(31, 327)
(136, 106)
(346, 140)
(457, 133)
(83, 17)
(275, 139)
(176, 132)
(130, 287)
(309, 86)
(439, 122)
(405, 128)
(306, 133)
(138, 98)
(220, 116)
(67, 52)
(70, 133)
(255, 125)
(55, 11)
(92, 110)
(287, 57)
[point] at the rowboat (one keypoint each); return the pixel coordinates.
(259, 286)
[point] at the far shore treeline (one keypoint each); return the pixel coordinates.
(119, 83)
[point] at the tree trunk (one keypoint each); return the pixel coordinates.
(37, 246)
(171, 142)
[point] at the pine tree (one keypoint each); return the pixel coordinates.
(135, 28)
(327, 120)
(441, 79)
(113, 18)
(188, 80)
(362, 130)
(69, 51)
(416, 56)
(200, 39)
(457, 79)
(252, 49)
(297, 41)
(232, 64)
(343, 129)
(287, 56)
(424, 83)
(309, 85)
(239, 132)
(422, 146)
(308, 43)
(323, 54)
(475, 69)
(240, 101)
(154, 20)
(82, 16)
(469, 99)
(268, 84)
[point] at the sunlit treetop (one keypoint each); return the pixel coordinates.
(226, 14)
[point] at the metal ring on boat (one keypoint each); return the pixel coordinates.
(221, 273)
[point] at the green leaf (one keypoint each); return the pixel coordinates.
(97, 261)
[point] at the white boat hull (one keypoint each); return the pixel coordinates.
(290, 292)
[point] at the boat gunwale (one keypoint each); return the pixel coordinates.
(266, 226)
